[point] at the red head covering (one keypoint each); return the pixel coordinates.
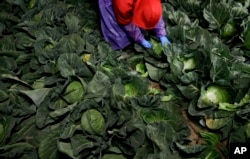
(143, 13)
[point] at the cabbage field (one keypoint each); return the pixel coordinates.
(65, 94)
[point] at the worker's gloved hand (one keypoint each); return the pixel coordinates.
(164, 40)
(146, 44)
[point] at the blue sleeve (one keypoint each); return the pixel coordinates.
(134, 32)
(160, 28)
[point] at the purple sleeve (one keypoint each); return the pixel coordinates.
(134, 32)
(160, 28)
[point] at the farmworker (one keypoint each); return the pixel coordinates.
(123, 22)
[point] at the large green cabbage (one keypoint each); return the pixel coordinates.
(92, 121)
(74, 92)
(228, 30)
(214, 95)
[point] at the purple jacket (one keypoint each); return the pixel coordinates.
(121, 36)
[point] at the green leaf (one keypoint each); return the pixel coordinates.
(68, 130)
(220, 61)
(48, 147)
(210, 138)
(148, 100)
(62, 111)
(213, 154)
(37, 95)
(23, 41)
(72, 22)
(39, 83)
(137, 138)
(248, 130)
(191, 6)
(113, 156)
(72, 43)
(189, 77)
(3, 95)
(162, 135)
(8, 63)
(241, 67)
(238, 132)
(14, 150)
(247, 38)
(158, 62)
(154, 72)
(216, 14)
(50, 35)
(80, 143)
(152, 116)
(70, 64)
(26, 130)
(6, 126)
(144, 151)
(239, 11)
(66, 148)
(179, 18)
(15, 78)
(2, 28)
(6, 43)
(105, 55)
(190, 149)
(92, 39)
(190, 91)
(99, 86)
(8, 16)
(42, 114)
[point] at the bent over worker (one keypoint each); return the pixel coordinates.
(122, 22)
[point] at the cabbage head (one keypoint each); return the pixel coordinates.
(131, 90)
(92, 122)
(141, 68)
(189, 64)
(74, 92)
(228, 30)
(214, 95)
(136, 87)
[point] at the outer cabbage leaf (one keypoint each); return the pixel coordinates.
(71, 43)
(70, 64)
(79, 143)
(99, 86)
(113, 156)
(217, 123)
(48, 146)
(6, 126)
(27, 150)
(191, 149)
(216, 14)
(37, 95)
(72, 22)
